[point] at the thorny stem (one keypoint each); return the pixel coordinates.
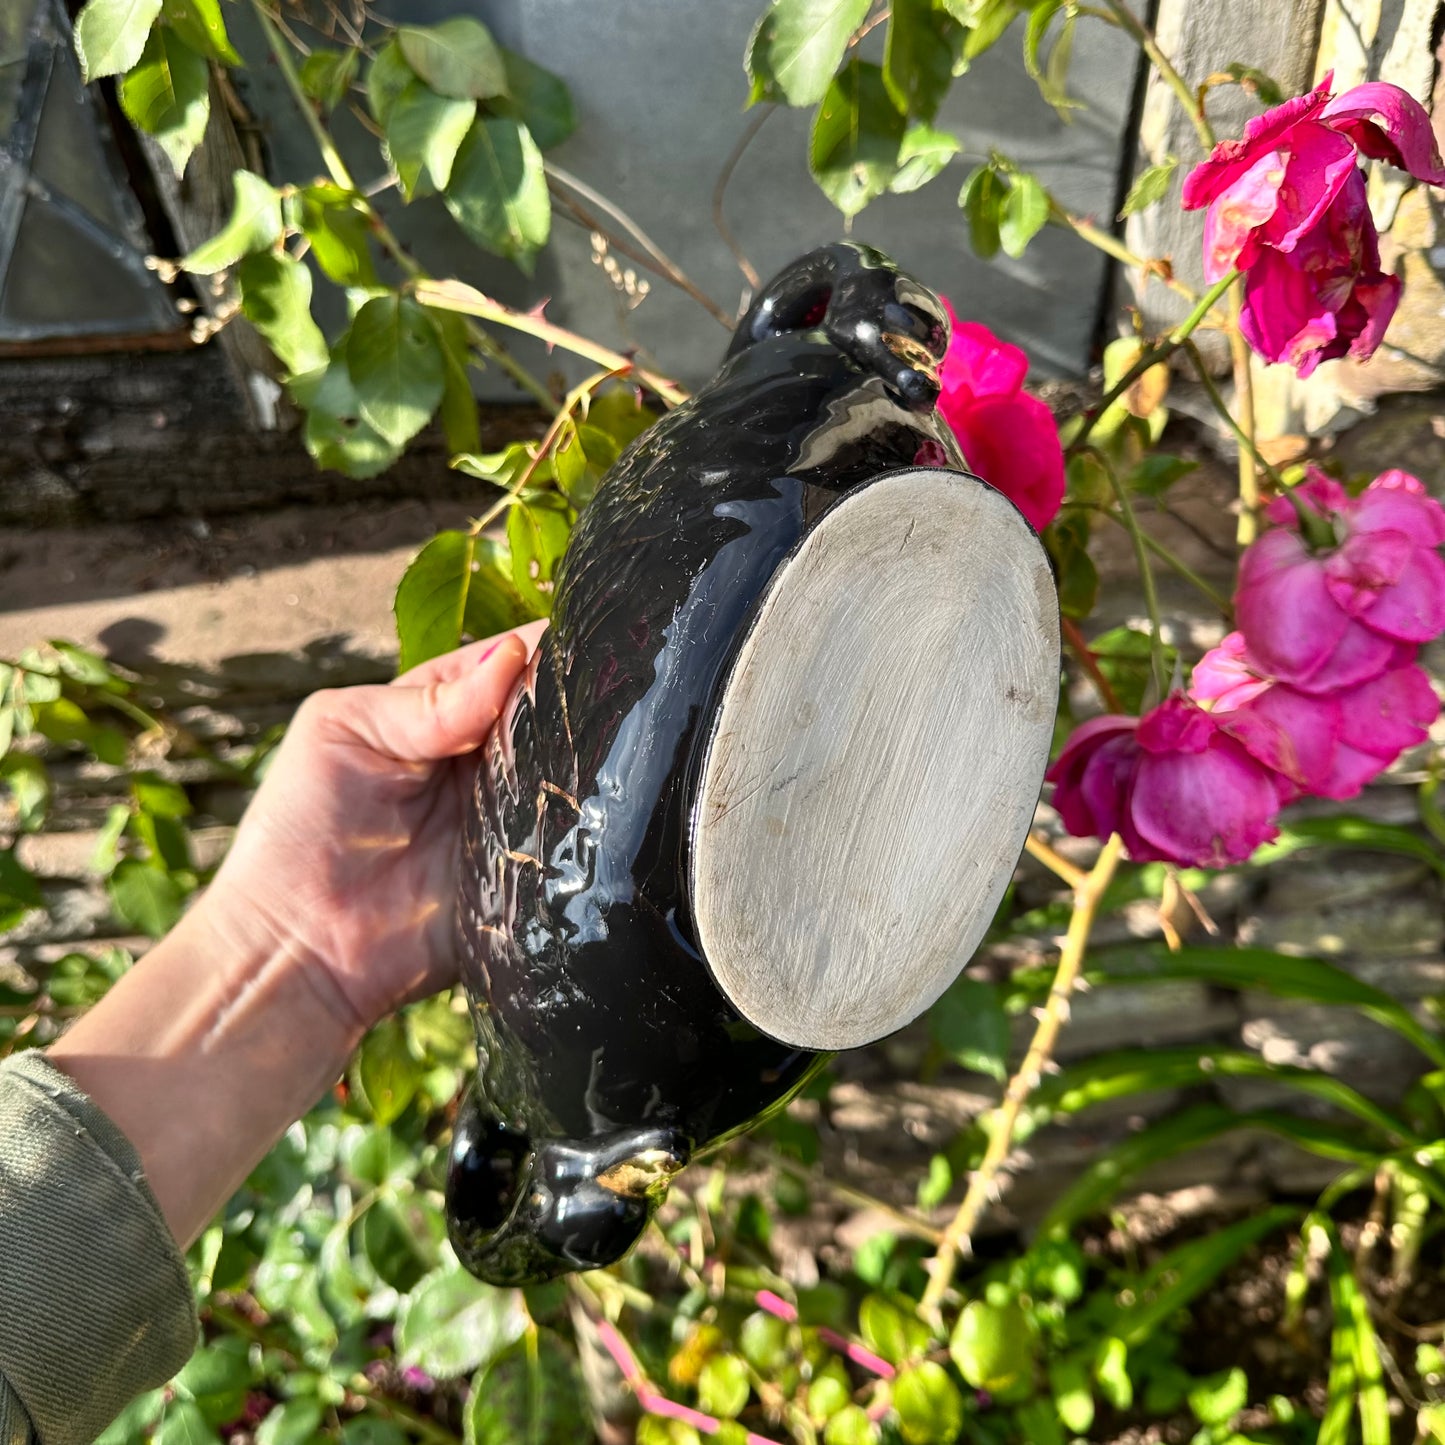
(457, 296)
(1113, 247)
(1192, 105)
(336, 169)
(958, 1237)
(1130, 523)
(1244, 397)
(549, 440)
(1153, 356)
(650, 1400)
(1081, 649)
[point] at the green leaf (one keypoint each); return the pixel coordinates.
(981, 200)
(763, 1339)
(933, 1189)
(1355, 1367)
(1067, 541)
(1267, 90)
(85, 666)
(335, 433)
(293, 1423)
(970, 1025)
(460, 423)
(1024, 213)
(395, 359)
(337, 229)
(111, 34)
(857, 132)
(539, 99)
(1183, 1273)
(1218, 1398)
(276, 300)
(28, 782)
(107, 841)
(929, 1405)
(424, 131)
(1123, 654)
(19, 892)
(255, 225)
(798, 45)
(156, 794)
(722, 1387)
(200, 25)
(922, 48)
(184, 1424)
(620, 413)
(1111, 1371)
(890, 1330)
(217, 1377)
(368, 1430)
(386, 78)
(391, 1248)
(1073, 1392)
(458, 583)
(327, 75)
(134, 1424)
(851, 1426)
(498, 190)
(458, 58)
(1343, 830)
(167, 95)
(992, 1346)
(386, 1074)
(531, 1395)
(1280, 974)
(453, 1324)
(1150, 185)
(537, 532)
(922, 155)
(77, 981)
(987, 23)
(1156, 473)
(145, 897)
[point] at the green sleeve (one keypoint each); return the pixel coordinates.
(95, 1305)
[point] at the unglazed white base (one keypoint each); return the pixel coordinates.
(876, 760)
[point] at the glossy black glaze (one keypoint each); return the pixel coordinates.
(608, 1057)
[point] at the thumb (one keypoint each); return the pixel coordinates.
(438, 719)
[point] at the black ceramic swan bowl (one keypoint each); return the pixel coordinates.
(765, 781)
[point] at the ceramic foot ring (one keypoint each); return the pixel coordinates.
(766, 780)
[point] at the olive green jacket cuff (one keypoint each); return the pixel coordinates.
(95, 1305)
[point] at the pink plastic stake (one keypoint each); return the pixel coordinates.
(865, 1359)
(648, 1398)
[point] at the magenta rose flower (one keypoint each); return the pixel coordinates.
(1323, 617)
(1177, 785)
(1286, 205)
(1335, 742)
(1007, 436)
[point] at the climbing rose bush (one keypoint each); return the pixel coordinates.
(1008, 437)
(1316, 693)
(1286, 205)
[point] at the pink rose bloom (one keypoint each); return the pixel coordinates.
(1287, 206)
(1177, 785)
(1008, 437)
(1326, 296)
(1332, 617)
(1335, 742)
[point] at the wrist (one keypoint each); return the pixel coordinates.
(206, 1052)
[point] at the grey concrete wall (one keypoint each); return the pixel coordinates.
(660, 89)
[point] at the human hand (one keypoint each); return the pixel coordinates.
(347, 856)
